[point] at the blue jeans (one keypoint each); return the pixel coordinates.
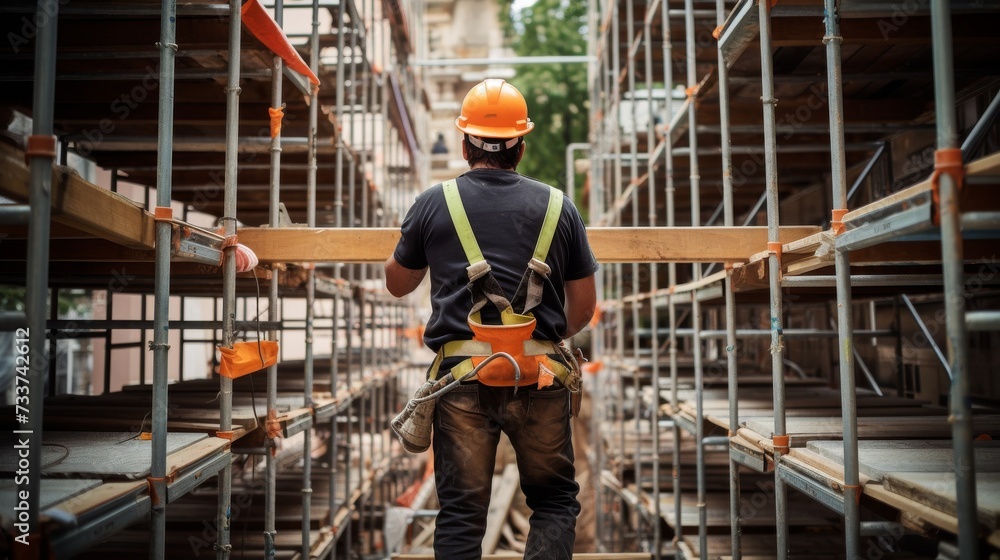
(467, 426)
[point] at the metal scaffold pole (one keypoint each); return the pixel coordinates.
(695, 178)
(725, 144)
(780, 437)
(223, 547)
(270, 472)
(845, 315)
(633, 176)
(669, 192)
(42, 151)
(654, 342)
(310, 286)
(161, 303)
(949, 171)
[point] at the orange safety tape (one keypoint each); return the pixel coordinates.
(946, 160)
(780, 443)
(229, 434)
(774, 247)
(692, 91)
(276, 115)
(145, 436)
(857, 491)
(40, 145)
(837, 220)
(717, 32)
(151, 481)
(163, 213)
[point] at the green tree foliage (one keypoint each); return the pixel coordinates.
(556, 93)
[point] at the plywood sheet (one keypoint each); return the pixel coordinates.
(937, 490)
(54, 491)
(802, 430)
(103, 454)
(879, 458)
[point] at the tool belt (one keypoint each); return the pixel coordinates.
(539, 362)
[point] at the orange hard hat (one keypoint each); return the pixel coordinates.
(494, 109)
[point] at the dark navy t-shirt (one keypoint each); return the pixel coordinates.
(506, 211)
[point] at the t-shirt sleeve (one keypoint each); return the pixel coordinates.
(580, 262)
(410, 249)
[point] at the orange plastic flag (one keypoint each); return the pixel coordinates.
(247, 357)
(265, 29)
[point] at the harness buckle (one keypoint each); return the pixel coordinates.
(540, 267)
(478, 270)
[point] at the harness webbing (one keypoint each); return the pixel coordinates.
(468, 238)
(461, 220)
(548, 231)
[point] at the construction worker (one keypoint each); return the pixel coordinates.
(494, 233)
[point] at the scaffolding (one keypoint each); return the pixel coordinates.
(293, 461)
(727, 404)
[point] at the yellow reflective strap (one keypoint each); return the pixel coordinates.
(549, 225)
(461, 221)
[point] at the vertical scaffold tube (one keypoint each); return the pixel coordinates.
(270, 466)
(726, 146)
(36, 296)
(161, 297)
(309, 368)
(619, 283)
(669, 190)
(630, 71)
(949, 182)
(845, 315)
(229, 274)
(696, 344)
(774, 273)
(654, 341)
(270, 472)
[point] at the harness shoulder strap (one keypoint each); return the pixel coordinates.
(461, 220)
(548, 231)
(531, 288)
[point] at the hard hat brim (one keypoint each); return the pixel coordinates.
(494, 132)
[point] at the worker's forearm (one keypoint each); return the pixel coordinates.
(575, 327)
(400, 280)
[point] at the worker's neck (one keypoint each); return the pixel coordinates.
(487, 166)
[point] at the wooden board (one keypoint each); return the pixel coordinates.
(756, 509)
(803, 430)
(80, 204)
(504, 488)
(103, 494)
(878, 458)
(610, 245)
(937, 490)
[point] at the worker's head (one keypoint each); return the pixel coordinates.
(494, 119)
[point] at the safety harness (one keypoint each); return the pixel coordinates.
(512, 336)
